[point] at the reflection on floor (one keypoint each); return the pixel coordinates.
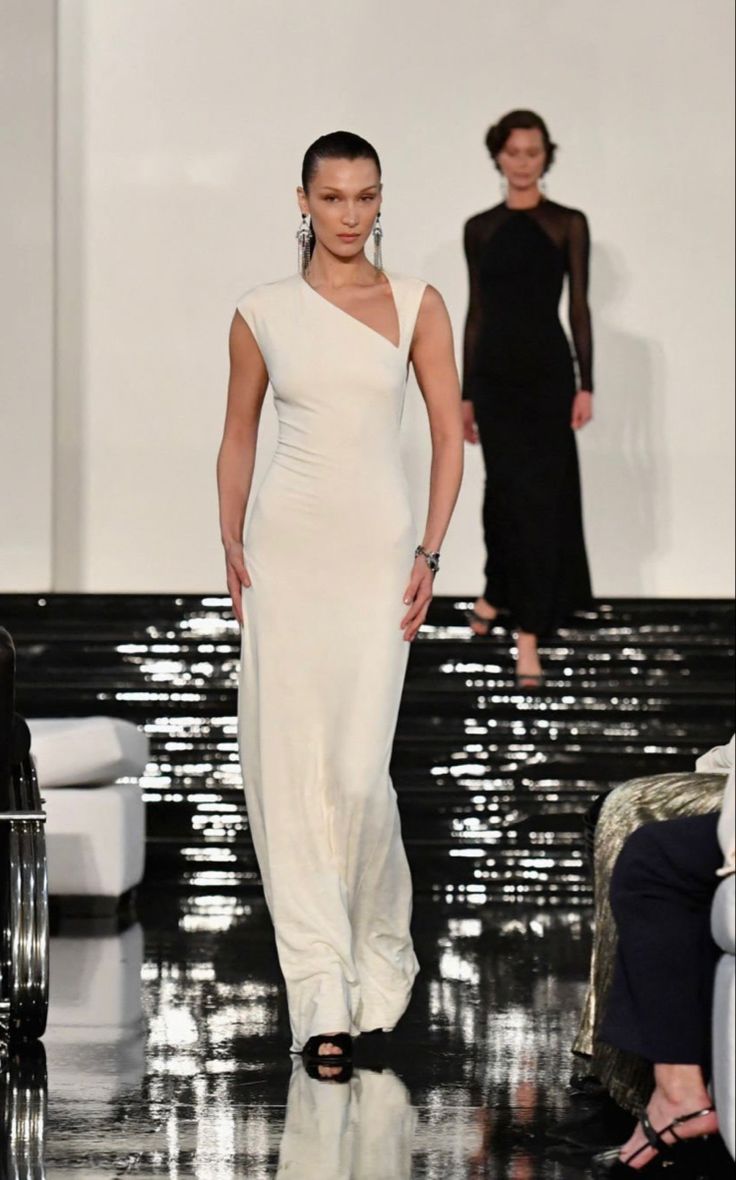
(167, 1049)
(167, 1057)
(491, 780)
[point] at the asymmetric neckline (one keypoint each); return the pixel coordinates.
(355, 319)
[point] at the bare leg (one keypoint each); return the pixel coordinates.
(528, 663)
(485, 614)
(680, 1091)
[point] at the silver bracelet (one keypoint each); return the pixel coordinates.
(432, 559)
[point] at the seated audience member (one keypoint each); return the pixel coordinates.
(625, 1076)
(660, 1002)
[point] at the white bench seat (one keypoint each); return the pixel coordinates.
(82, 751)
(95, 825)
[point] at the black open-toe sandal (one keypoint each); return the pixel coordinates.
(343, 1043)
(529, 681)
(609, 1163)
(482, 621)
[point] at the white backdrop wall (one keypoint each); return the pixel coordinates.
(181, 131)
(27, 209)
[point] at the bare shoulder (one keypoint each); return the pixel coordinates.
(433, 305)
(433, 328)
(240, 330)
(243, 343)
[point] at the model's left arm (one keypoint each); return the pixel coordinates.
(433, 357)
(578, 257)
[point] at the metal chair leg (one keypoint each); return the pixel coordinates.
(23, 1114)
(39, 934)
(25, 951)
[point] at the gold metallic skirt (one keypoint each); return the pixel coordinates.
(627, 1078)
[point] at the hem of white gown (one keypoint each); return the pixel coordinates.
(332, 1023)
(297, 1050)
(374, 1008)
(371, 1019)
(382, 1012)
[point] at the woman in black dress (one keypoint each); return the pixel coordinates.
(523, 398)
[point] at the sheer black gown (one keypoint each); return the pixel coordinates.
(519, 373)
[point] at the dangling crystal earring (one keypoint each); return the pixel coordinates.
(543, 185)
(378, 244)
(304, 245)
(504, 186)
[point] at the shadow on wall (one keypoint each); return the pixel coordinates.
(626, 483)
(463, 548)
(626, 480)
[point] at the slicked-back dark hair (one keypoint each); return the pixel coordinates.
(337, 145)
(498, 134)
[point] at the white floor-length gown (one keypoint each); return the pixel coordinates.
(329, 548)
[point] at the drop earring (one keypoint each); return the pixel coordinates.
(304, 245)
(378, 244)
(504, 186)
(543, 185)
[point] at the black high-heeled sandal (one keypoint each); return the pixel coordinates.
(343, 1042)
(480, 620)
(609, 1163)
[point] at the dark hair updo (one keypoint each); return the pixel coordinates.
(498, 135)
(338, 145)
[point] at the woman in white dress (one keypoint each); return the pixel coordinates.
(330, 589)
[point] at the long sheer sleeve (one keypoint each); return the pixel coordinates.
(579, 311)
(473, 319)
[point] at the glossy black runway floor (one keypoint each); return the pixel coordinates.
(492, 781)
(167, 1056)
(167, 1050)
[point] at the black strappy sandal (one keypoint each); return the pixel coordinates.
(482, 621)
(609, 1163)
(343, 1042)
(529, 681)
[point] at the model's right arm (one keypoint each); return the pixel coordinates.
(237, 456)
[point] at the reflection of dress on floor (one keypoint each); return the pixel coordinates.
(329, 548)
(362, 1130)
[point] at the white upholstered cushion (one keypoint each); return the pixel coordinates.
(723, 915)
(95, 839)
(77, 751)
(724, 1056)
(724, 1012)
